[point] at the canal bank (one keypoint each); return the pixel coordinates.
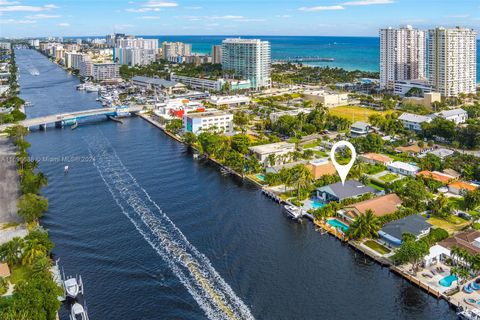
(279, 269)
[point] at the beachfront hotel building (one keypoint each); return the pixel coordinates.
(452, 60)
(249, 58)
(402, 55)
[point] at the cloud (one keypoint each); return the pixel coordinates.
(13, 21)
(47, 7)
(321, 8)
(366, 2)
(142, 9)
(64, 24)
(148, 17)
(6, 3)
(160, 4)
(283, 16)
(225, 17)
(43, 16)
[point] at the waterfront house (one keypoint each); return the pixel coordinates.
(415, 224)
(458, 187)
(437, 176)
(359, 129)
(277, 151)
(320, 167)
(375, 158)
(467, 240)
(338, 192)
(381, 206)
(456, 115)
(403, 168)
(414, 121)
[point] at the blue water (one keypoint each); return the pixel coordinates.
(261, 177)
(338, 224)
(145, 222)
(316, 204)
(448, 280)
(350, 53)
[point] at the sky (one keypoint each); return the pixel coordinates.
(39, 18)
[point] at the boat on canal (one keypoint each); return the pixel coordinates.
(73, 286)
(293, 212)
(78, 312)
(469, 314)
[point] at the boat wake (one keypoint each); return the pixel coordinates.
(211, 292)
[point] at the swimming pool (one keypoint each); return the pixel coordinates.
(447, 281)
(338, 224)
(316, 204)
(260, 176)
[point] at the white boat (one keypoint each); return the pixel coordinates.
(469, 314)
(293, 212)
(92, 88)
(73, 287)
(78, 312)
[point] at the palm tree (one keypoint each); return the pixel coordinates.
(11, 251)
(32, 250)
(365, 226)
(302, 179)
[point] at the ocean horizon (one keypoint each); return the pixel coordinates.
(348, 52)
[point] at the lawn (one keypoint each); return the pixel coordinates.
(312, 144)
(389, 177)
(353, 113)
(375, 186)
(451, 224)
(374, 245)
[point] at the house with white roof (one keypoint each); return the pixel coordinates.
(456, 115)
(403, 168)
(414, 121)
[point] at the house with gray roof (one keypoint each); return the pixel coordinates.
(338, 192)
(167, 86)
(359, 129)
(415, 224)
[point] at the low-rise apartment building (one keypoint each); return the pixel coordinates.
(199, 122)
(272, 154)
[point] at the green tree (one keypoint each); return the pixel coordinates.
(11, 251)
(411, 251)
(365, 226)
(33, 249)
(240, 143)
(31, 206)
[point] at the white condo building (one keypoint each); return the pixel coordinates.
(202, 121)
(452, 60)
(402, 55)
(138, 43)
(135, 56)
(249, 58)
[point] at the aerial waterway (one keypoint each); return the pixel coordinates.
(156, 234)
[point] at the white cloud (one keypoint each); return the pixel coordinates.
(160, 4)
(6, 3)
(47, 7)
(64, 24)
(43, 16)
(13, 21)
(366, 2)
(148, 17)
(283, 16)
(225, 17)
(321, 8)
(142, 9)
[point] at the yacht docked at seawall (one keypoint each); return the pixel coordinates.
(294, 212)
(469, 314)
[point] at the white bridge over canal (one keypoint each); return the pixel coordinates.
(72, 118)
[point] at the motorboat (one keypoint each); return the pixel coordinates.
(78, 312)
(469, 314)
(294, 212)
(73, 287)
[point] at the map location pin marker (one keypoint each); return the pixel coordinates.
(343, 170)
